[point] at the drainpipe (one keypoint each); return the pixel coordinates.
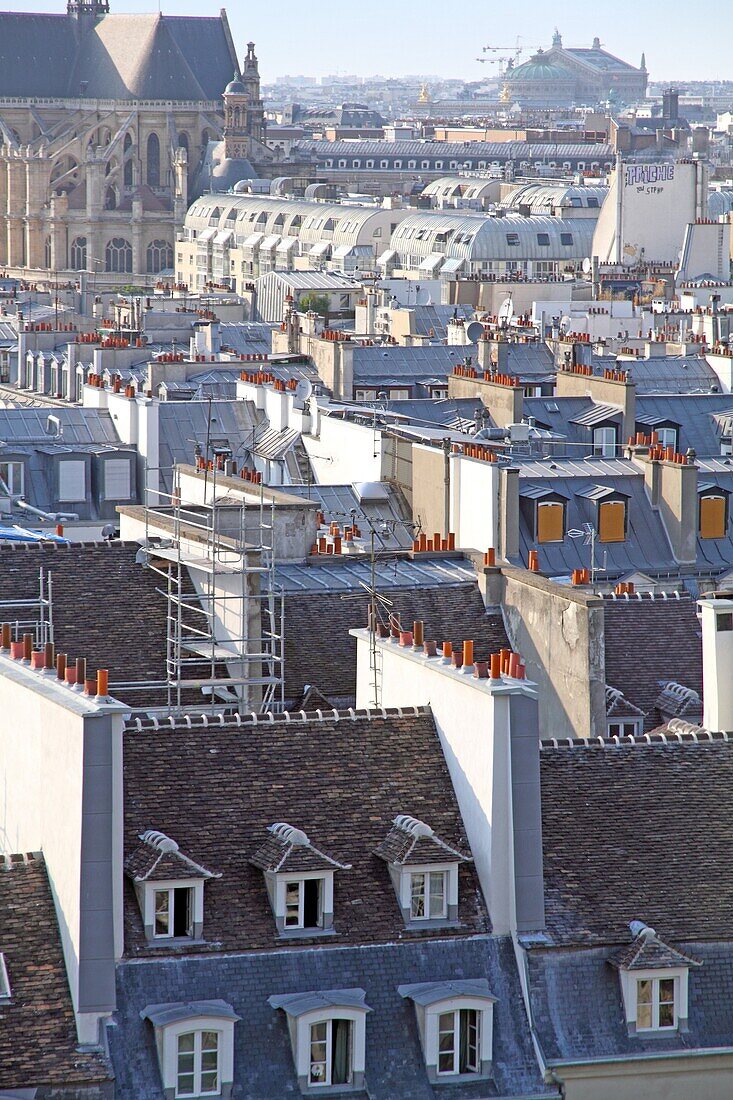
(446, 486)
(52, 517)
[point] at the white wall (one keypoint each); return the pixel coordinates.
(344, 452)
(474, 502)
(472, 718)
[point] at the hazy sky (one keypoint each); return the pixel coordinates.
(394, 37)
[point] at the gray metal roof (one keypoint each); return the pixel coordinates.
(597, 413)
(460, 151)
(247, 337)
(475, 237)
(429, 363)
(183, 423)
(341, 503)
(392, 572)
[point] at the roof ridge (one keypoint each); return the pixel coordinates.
(227, 721)
(687, 734)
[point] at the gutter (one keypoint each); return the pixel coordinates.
(545, 1067)
(645, 1056)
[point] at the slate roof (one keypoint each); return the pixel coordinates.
(326, 657)
(122, 57)
(38, 1041)
(651, 640)
(182, 422)
(395, 1066)
(397, 365)
(342, 782)
(581, 989)
(637, 832)
(648, 952)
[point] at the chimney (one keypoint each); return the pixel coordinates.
(678, 505)
(716, 618)
(487, 722)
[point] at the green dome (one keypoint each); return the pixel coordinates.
(537, 68)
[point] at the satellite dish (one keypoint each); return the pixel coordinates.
(474, 332)
(506, 310)
(587, 265)
(303, 390)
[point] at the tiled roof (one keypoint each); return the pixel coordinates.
(320, 651)
(38, 1040)
(288, 849)
(105, 606)
(263, 1060)
(342, 782)
(637, 831)
(648, 641)
(413, 842)
(158, 858)
(648, 952)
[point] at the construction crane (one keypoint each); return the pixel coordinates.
(507, 55)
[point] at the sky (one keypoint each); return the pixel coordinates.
(399, 37)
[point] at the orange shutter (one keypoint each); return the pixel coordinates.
(612, 521)
(550, 522)
(712, 517)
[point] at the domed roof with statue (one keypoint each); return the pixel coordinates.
(539, 67)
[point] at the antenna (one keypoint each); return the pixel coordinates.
(304, 389)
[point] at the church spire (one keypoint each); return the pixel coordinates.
(643, 63)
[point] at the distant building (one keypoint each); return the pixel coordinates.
(105, 123)
(563, 76)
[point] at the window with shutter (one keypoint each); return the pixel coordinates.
(72, 480)
(550, 521)
(712, 517)
(117, 479)
(612, 521)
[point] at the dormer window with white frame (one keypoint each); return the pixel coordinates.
(4, 980)
(328, 1038)
(654, 983)
(195, 1046)
(455, 1020)
(169, 888)
(424, 872)
(300, 881)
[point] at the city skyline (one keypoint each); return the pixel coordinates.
(354, 40)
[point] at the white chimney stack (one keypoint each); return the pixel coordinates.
(716, 618)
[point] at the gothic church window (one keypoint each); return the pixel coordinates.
(118, 255)
(79, 254)
(159, 257)
(153, 176)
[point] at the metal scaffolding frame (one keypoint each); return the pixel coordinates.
(225, 612)
(32, 616)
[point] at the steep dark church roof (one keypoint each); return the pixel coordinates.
(117, 57)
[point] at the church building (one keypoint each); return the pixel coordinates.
(107, 127)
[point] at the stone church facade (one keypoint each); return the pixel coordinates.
(106, 126)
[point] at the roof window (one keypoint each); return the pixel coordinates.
(424, 872)
(328, 1036)
(169, 888)
(654, 982)
(455, 1021)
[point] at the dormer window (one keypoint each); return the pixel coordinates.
(424, 872)
(169, 888)
(455, 1022)
(4, 980)
(550, 521)
(194, 1042)
(713, 512)
(654, 982)
(299, 879)
(328, 1035)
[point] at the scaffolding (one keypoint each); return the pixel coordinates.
(225, 612)
(32, 616)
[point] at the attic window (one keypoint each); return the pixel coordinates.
(654, 982)
(550, 521)
(299, 880)
(424, 872)
(656, 1003)
(194, 1042)
(713, 516)
(455, 1022)
(169, 888)
(328, 1036)
(612, 521)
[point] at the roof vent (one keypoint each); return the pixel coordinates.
(287, 834)
(412, 826)
(159, 840)
(638, 928)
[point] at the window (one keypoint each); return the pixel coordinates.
(566, 239)
(117, 479)
(79, 253)
(612, 521)
(118, 256)
(713, 519)
(667, 437)
(72, 480)
(4, 980)
(127, 160)
(550, 521)
(656, 1006)
(11, 479)
(159, 256)
(512, 239)
(197, 1071)
(604, 442)
(331, 1052)
(459, 1041)
(428, 895)
(624, 729)
(304, 903)
(173, 912)
(543, 239)
(153, 173)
